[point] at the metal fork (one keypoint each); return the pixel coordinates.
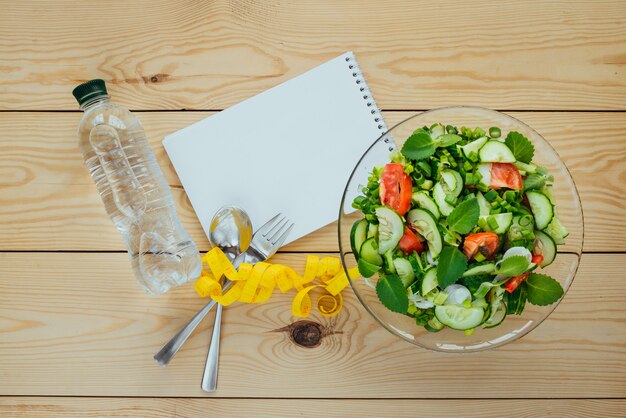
(169, 350)
(265, 242)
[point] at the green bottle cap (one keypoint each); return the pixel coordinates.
(89, 91)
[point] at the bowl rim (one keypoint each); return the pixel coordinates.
(416, 341)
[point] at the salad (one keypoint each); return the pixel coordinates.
(458, 227)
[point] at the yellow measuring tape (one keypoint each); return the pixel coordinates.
(256, 283)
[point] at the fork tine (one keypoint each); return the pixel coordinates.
(279, 241)
(277, 231)
(267, 226)
(273, 229)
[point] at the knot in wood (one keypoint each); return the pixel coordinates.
(306, 333)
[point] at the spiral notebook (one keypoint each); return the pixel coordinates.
(290, 149)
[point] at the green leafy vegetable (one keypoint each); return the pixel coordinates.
(485, 287)
(520, 146)
(447, 140)
(534, 181)
(517, 300)
(392, 294)
(452, 265)
(418, 146)
(513, 266)
(464, 217)
(473, 282)
(542, 289)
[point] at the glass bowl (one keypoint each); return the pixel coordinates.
(563, 269)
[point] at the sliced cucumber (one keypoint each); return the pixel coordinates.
(404, 271)
(545, 246)
(358, 236)
(430, 281)
(424, 223)
(436, 131)
(541, 207)
(496, 152)
(459, 317)
(367, 269)
(388, 259)
(499, 223)
(557, 231)
(372, 231)
(496, 316)
(440, 198)
(483, 205)
(452, 182)
(471, 149)
(485, 172)
(390, 228)
(549, 192)
(481, 269)
(424, 201)
(369, 252)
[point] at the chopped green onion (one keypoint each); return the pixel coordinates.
(493, 224)
(424, 168)
(451, 129)
(518, 243)
(510, 196)
(494, 132)
(451, 199)
(490, 195)
(468, 166)
(427, 184)
(526, 220)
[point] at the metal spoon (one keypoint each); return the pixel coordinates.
(231, 231)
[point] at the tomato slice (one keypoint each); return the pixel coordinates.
(514, 282)
(396, 188)
(484, 242)
(505, 175)
(410, 242)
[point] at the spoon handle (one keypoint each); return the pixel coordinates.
(169, 350)
(209, 379)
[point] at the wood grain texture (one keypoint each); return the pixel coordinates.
(22, 407)
(209, 55)
(49, 202)
(78, 325)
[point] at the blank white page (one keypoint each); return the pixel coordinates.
(289, 149)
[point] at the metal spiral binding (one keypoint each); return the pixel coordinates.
(353, 66)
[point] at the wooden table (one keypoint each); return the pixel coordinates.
(77, 334)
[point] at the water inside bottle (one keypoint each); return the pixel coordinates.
(137, 197)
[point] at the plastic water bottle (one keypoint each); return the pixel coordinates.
(134, 191)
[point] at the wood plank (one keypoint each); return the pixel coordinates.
(48, 201)
(16, 407)
(78, 325)
(210, 55)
